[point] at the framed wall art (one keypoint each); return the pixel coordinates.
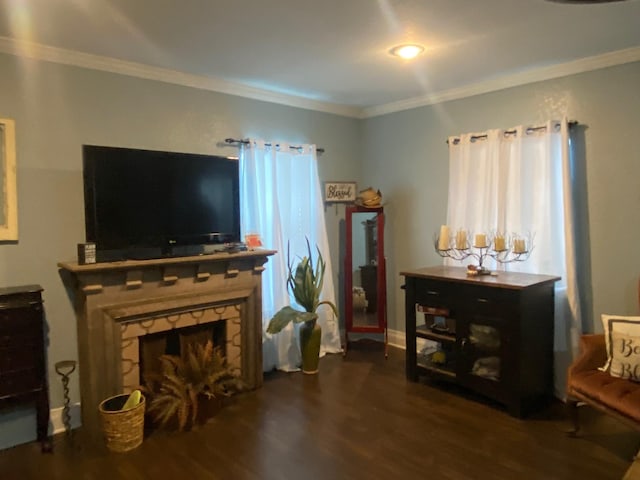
(340, 192)
(8, 194)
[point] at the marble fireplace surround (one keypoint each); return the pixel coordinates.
(118, 303)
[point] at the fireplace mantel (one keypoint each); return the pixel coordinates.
(117, 302)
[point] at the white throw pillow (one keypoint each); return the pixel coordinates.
(625, 356)
(626, 326)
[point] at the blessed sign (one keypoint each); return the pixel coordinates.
(340, 192)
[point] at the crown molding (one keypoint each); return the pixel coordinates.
(96, 62)
(47, 53)
(587, 64)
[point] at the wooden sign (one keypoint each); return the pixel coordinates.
(340, 192)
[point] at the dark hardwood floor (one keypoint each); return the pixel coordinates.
(358, 419)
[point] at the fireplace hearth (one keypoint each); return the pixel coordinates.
(121, 304)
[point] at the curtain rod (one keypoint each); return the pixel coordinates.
(571, 123)
(233, 141)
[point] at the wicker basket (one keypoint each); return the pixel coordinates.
(123, 429)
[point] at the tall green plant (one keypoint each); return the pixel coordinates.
(305, 283)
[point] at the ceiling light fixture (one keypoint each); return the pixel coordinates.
(407, 51)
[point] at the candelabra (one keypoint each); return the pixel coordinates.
(502, 248)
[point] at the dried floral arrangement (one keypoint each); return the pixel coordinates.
(200, 373)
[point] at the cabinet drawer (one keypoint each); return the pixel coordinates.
(19, 382)
(435, 294)
(18, 358)
(17, 297)
(20, 338)
(490, 301)
(14, 320)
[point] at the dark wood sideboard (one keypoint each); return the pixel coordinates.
(23, 374)
(490, 334)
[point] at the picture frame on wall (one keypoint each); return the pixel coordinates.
(340, 192)
(8, 193)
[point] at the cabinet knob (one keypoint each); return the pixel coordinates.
(433, 292)
(483, 300)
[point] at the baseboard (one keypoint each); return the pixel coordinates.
(56, 424)
(397, 339)
(17, 426)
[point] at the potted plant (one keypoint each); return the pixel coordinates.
(188, 381)
(305, 283)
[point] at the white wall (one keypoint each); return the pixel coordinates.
(58, 108)
(405, 155)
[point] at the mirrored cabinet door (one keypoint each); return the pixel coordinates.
(365, 276)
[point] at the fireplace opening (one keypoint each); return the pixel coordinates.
(175, 342)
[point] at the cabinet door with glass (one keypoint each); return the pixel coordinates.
(364, 273)
(483, 358)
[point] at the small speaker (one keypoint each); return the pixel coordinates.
(86, 253)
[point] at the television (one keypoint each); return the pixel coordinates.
(145, 203)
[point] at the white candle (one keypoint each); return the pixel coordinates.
(443, 241)
(518, 245)
(481, 240)
(461, 240)
(499, 243)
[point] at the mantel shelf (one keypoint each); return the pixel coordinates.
(138, 264)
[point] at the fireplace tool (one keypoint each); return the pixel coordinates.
(65, 368)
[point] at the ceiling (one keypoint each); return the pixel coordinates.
(332, 54)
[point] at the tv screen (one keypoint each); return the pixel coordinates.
(140, 199)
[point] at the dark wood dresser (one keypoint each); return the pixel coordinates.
(490, 334)
(23, 374)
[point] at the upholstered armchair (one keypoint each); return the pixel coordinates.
(586, 383)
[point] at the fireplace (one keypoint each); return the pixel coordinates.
(177, 342)
(152, 336)
(123, 305)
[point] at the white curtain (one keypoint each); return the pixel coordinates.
(519, 181)
(281, 200)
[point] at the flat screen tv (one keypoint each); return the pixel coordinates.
(144, 199)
